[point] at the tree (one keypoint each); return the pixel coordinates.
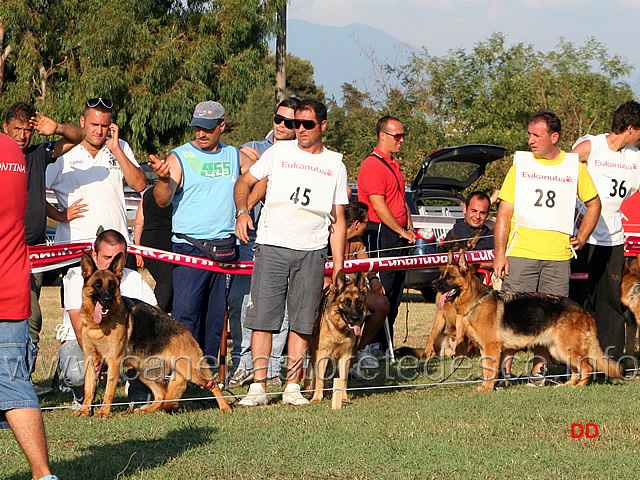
(154, 59)
(253, 120)
(485, 96)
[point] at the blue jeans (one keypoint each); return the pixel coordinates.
(200, 302)
(17, 356)
(241, 336)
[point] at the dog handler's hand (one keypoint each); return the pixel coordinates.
(500, 266)
(243, 223)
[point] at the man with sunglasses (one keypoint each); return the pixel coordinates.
(197, 178)
(92, 172)
(282, 129)
(390, 229)
(306, 195)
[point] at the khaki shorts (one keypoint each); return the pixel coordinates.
(283, 275)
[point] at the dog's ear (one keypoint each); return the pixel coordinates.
(341, 281)
(450, 258)
(462, 261)
(633, 268)
(473, 239)
(361, 281)
(117, 265)
(87, 265)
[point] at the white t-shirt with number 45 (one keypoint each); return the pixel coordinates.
(301, 192)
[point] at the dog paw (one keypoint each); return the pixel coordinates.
(81, 413)
(485, 388)
(102, 414)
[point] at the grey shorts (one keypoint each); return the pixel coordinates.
(283, 275)
(544, 276)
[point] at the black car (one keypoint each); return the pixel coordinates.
(437, 198)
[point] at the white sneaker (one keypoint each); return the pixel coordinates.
(255, 396)
(364, 359)
(292, 395)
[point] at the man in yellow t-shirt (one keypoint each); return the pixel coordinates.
(533, 233)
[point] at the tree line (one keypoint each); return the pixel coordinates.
(156, 59)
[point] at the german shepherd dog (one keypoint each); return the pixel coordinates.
(120, 331)
(447, 336)
(631, 299)
(341, 320)
(498, 320)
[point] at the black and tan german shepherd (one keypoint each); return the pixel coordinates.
(123, 332)
(498, 320)
(341, 321)
(630, 298)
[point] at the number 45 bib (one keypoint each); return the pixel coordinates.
(545, 195)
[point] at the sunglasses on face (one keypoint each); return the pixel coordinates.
(307, 124)
(94, 102)
(288, 122)
(397, 136)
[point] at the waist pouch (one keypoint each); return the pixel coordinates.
(220, 250)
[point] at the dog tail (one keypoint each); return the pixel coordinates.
(609, 367)
(603, 363)
(409, 352)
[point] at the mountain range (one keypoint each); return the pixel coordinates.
(351, 54)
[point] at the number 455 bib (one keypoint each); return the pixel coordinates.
(545, 195)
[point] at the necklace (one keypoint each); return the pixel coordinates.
(613, 143)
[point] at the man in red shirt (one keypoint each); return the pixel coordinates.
(18, 401)
(390, 230)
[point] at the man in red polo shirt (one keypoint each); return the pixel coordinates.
(19, 405)
(381, 188)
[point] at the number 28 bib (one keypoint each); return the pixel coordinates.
(545, 195)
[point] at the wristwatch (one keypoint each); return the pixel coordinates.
(240, 212)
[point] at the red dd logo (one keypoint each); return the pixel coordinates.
(588, 430)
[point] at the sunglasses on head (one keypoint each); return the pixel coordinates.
(397, 136)
(94, 102)
(307, 124)
(288, 122)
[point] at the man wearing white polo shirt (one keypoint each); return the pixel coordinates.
(93, 172)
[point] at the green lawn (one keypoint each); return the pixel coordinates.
(444, 431)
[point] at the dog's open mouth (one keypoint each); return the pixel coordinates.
(98, 312)
(353, 326)
(448, 296)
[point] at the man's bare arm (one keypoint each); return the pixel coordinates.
(241, 198)
(384, 214)
(583, 150)
(133, 174)
(337, 238)
(500, 237)
(169, 178)
(72, 134)
(589, 222)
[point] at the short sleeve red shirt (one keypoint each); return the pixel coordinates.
(375, 178)
(15, 289)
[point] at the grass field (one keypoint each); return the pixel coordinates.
(445, 431)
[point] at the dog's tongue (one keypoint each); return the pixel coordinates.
(356, 329)
(443, 299)
(97, 313)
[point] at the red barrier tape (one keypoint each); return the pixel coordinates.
(50, 257)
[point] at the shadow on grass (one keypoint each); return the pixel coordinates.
(107, 461)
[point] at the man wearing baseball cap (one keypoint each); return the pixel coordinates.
(198, 178)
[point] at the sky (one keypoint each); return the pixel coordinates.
(440, 25)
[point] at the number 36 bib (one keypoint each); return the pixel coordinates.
(545, 195)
